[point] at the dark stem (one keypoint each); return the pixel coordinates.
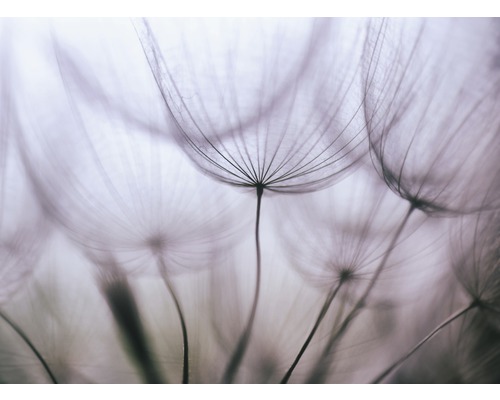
(321, 315)
(23, 336)
(239, 352)
(319, 372)
(123, 306)
(171, 290)
(446, 322)
(338, 316)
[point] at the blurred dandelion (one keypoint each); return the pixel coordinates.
(476, 260)
(91, 51)
(122, 194)
(23, 227)
(476, 263)
(432, 111)
(350, 227)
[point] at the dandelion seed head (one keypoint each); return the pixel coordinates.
(431, 107)
(340, 234)
(115, 188)
(157, 243)
(346, 274)
(293, 130)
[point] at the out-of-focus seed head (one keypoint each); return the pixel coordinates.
(432, 101)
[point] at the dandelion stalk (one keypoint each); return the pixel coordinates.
(329, 299)
(319, 372)
(171, 290)
(435, 331)
(241, 347)
(30, 344)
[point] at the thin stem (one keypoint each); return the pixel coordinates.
(327, 350)
(321, 368)
(446, 322)
(338, 315)
(23, 336)
(322, 313)
(171, 290)
(239, 352)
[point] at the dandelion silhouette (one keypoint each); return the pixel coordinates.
(294, 137)
(272, 117)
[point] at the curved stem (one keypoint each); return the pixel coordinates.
(319, 372)
(446, 322)
(171, 290)
(26, 340)
(239, 352)
(322, 313)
